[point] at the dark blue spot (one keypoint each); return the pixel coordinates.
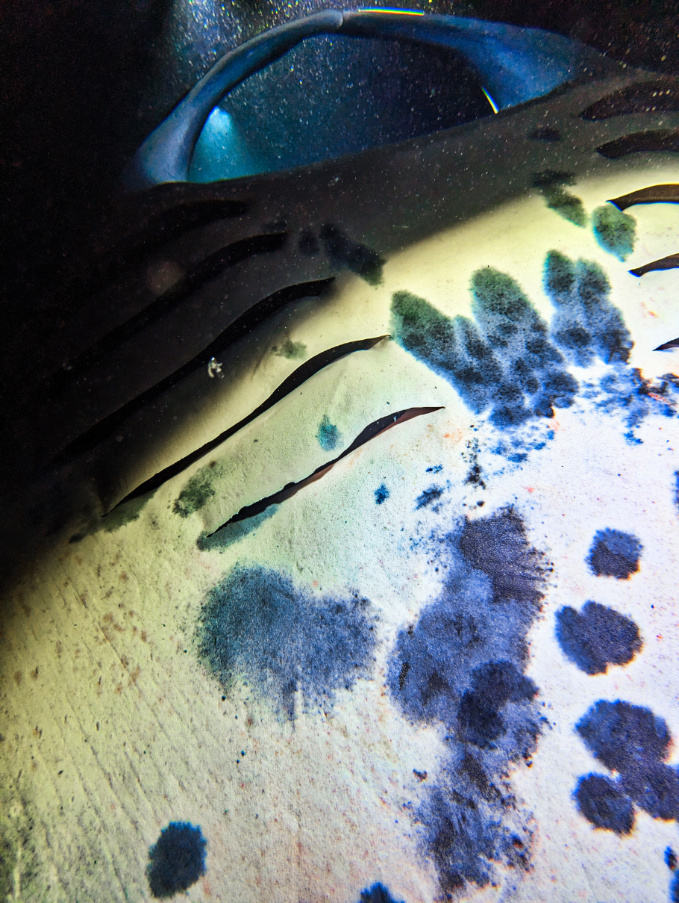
(494, 684)
(436, 469)
(428, 496)
(381, 494)
(634, 742)
(624, 736)
(378, 893)
(603, 804)
(176, 859)
(671, 859)
(258, 626)
(614, 554)
(462, 664)
(627, 391)
(596, 637)
(586, 324)
(328, 435)
(503, 360)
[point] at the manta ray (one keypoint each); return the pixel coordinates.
(353, 504)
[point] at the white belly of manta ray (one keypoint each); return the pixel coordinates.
(445, 667)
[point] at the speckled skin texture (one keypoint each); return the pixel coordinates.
(369, 691)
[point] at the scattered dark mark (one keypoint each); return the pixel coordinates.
(585, 324)
(550, 183)
(654, 194)
(671, 859)
(596, 637)
(198, 491)
(628, 391)
(545, 133)
(123, 514)
(381, 494)
(176, 860)
(615, 231)
(668, 346)
(475, 476)
(473, 768)
(289, 384)
(645, 97)
(308, 243)
(370, 432)
(503, 361)
(356, 257)
(635, 743)
(293, 351)
(378, 893)
(205, 271)
(641, 142)
(428, 496)
(436, 469)
(420, 775)
(670, 262)
(603, 804)
(328, 435)
(238, 328)
(403, 674)
(283, 641)
(467, 655)
(230, 534)
(494, 684)
(614, 554)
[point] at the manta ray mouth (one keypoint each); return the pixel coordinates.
(284, 99)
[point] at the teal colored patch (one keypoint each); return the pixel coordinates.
(614, 230)
(328, 435)
(497, 294)
(114, 520)
(197, 491)
(567, 205)
(125, 513)
(294, 351)
(232, 533)
(585, 324)
(416, 324)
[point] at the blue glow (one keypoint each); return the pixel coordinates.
(222, 151)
